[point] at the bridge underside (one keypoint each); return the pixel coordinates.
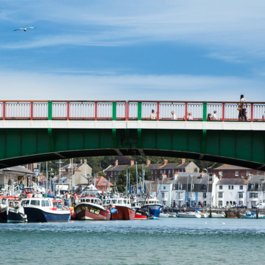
(243, 148)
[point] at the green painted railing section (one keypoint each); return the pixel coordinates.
(114, 111)
(139, 111)
(49, 110)
(204, 109)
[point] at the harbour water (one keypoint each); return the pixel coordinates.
(164, 241)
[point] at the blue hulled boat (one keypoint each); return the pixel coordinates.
(43, 210)
(152, 206)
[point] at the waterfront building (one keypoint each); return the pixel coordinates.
(103, 185)
(194, 189)
(74, 174)
(231, 192)
(255, 190)
(13, 179)
(171, 169)
(232, 171)
(164, 194)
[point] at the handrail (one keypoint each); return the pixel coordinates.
(126, 110)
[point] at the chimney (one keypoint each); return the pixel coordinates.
(132, 163)
(165, 162)
(148, 162)
(183, 160)
(116, 163)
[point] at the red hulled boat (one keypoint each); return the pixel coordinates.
(120, 208)
(90, 208)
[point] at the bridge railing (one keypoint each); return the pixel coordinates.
(126, 110)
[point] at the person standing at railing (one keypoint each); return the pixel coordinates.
(173, 115)
(189, 117)
(153, 115)
(209, 117)
(214, 115)
(242, 109)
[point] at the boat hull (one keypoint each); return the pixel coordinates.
(86, 211)
(36, 215)
(16, 217)
(3, 215)
(188, 215)
(123, 213)
(140, 215)
(153, 209)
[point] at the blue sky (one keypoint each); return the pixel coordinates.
(141, 49)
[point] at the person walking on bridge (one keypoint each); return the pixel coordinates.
(242, 109)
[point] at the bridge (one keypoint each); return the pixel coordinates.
(34, 131)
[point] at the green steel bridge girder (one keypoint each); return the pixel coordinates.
(21, 146)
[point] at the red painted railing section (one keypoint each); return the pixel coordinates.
(127, 110)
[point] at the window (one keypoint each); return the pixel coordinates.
(35, 202)
(241, 187)
(220, 195)
(230, 187)
(240, 195)
(236, 174)
(220, 187)
(253, 195)
(204, 195)
(220, 203)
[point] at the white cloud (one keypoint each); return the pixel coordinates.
(130, 87)
(237, 24)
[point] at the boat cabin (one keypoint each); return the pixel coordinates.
(37, 202)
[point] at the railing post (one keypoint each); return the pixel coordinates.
(139, 111)
(157, 110)
(68, 110)
(4, 110)
(31, 110)
(204, 111)
(251, 112)
(96, 110)
(223, 111)
(50, 116)
(49, 110)
(186, 111)
(126, 110)
(114, 111)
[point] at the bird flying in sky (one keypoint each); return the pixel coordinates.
(24, 29)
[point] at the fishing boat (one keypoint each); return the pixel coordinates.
(120, 207)
(189, 214)
(249, 215)
(217, 214)
(140, 215)
(152, 206)
(42, 210)
(90, 208)
(11, 211)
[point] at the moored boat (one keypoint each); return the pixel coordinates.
(42, 210)
(217, 214)
(189, 214)
(11, 211)
(140, 215)
(152, 206)
(120, 208)
(91, 208)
